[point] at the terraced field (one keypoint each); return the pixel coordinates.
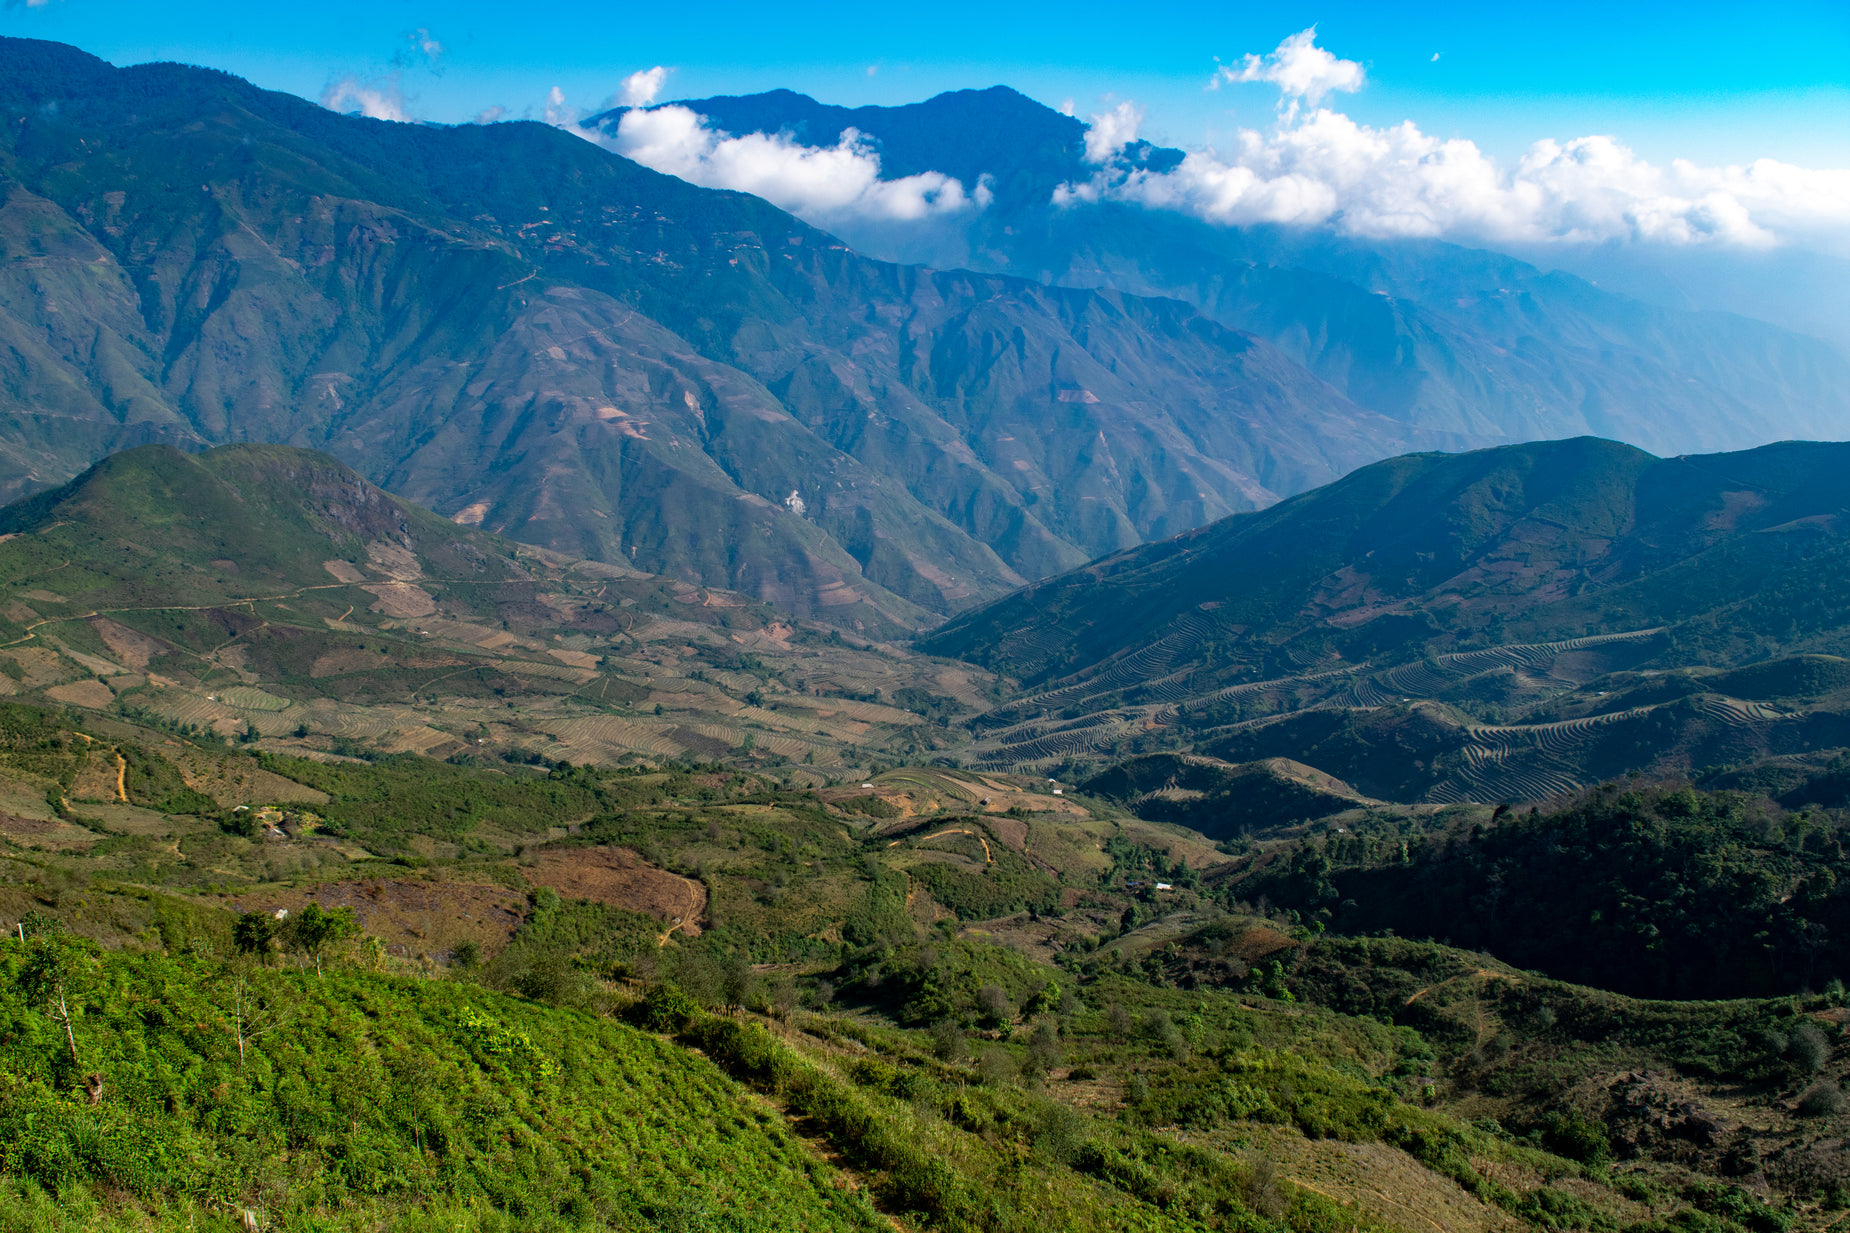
(1536, 762)
(1089, 719)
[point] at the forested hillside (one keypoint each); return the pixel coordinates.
(1500, 626)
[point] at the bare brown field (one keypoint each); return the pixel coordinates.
(411, 917)
(622, 879)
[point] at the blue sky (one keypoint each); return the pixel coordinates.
(1711, 82)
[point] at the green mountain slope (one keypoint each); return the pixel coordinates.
(520, 330)
(272, 594)
(1493, 625)
(968, 1010)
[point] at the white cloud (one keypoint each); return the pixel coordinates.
(640, 88)
(376, 100)
(490, 115)
(1325, 168)
(557, 113)
(820, 184)
(1302, 71)
(1112, 131)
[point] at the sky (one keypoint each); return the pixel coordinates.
(1678, 124)
(1716, 83)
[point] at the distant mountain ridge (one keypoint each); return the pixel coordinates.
(530, 334)
(1429, 553)
(1429, 333)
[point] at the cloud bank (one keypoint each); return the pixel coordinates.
(821, 184)
(1321, 167)
(1314, 166)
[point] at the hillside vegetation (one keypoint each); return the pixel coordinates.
(1502, 626)
(274, 596)
(690, 998)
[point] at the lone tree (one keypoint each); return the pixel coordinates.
(251, 1003)
(254, 933)
(50, 968)
(313, 932)
(54, 965)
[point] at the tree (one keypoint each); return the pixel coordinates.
(993, 1008)
(737, 981)
(55, 964)
(45, 978)
(314, 932)
(251, 1003)
(254, 933)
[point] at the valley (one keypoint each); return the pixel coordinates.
(1197, 936)
(542, 694)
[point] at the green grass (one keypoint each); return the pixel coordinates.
(397, 1093)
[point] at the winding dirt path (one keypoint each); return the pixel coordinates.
(955, 830)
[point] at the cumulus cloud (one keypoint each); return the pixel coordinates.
(1322, 167)
(376, 100)
(821, 184)
(1112, 131)
(1302, 71)
(490, 115)
(640, 88)
(558, 113)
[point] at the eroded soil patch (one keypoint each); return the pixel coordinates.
(412, 916)
(622, 879)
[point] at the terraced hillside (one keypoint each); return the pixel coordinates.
(273, 596)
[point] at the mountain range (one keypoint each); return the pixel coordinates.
(525, 332)
(1431, 334)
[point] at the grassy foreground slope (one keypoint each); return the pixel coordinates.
(360, 1096)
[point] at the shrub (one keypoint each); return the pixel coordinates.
(992, 1004)
(948, 1043)
(1808, 1048)
(1822, 1099)
(668, 1008)
(996, 1067)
